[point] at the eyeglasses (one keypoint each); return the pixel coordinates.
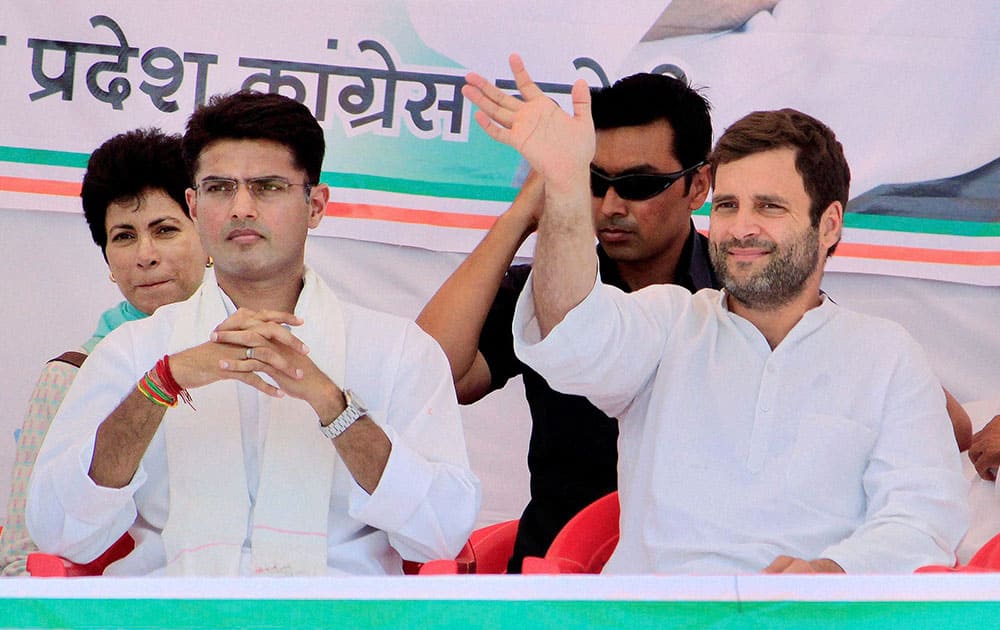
(636, 186)
(222, 190)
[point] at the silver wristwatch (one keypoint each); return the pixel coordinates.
(355, 409)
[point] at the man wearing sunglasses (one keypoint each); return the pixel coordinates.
(647, 176)
(763, 427)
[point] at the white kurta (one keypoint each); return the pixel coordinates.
(423, 508)
(836, 444)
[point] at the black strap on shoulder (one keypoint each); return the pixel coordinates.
(75, 359)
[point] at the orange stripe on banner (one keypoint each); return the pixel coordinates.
(40, 186)
(408, 215)
(918, 254)
(483, 222)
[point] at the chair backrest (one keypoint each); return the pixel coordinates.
(493, 546)
(464, 562)
(490, 548)
(47, 565)
(585, 543)
(986, 560)
(988, 556)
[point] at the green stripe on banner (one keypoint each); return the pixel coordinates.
(43, 157)
(917, 225)
(440, 614)
(416, 187)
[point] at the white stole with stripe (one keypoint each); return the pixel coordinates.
(209, 500)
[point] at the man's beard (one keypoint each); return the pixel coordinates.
(780, 281)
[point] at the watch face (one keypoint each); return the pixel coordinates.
(354, 401)
(354, 410)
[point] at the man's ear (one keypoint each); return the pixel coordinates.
(831, 225)
(191, 196)
(701, 183)
(319, 197)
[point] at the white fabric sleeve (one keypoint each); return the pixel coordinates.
(606, 347)
(67, 513)
(917, 497)
(427, 499)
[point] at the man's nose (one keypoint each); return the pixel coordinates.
(244, 203)
(613, 205)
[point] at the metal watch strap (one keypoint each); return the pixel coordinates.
(354, 410)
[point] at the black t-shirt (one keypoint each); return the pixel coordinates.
(573, 451)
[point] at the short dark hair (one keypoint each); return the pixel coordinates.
(249, 115)
(126, 167)
(819, 156)
(645, 98)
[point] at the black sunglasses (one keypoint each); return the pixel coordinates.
(636, 186)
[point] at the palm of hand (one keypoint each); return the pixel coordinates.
(554, 143)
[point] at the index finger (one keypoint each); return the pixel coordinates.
(252, 336)
(489, 98)
(244, 318)
(280, 317)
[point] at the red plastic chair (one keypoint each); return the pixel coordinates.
(584, 544)
(986, 560)
(464, 562)
(48, 565)
(491, 547)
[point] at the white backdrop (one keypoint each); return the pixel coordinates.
(910, 86)
(55, 286)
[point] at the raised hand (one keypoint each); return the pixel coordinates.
(557, 145)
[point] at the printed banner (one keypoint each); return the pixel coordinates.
(909, 86)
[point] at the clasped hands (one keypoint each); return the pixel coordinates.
(249, 342)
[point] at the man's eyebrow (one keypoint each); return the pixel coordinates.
(724, 197)
(638, 169)
(778, 199)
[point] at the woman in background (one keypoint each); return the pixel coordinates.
(133, 200)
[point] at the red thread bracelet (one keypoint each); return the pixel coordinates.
(172, 387)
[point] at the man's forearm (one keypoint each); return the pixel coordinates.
(365, 449)
(565, 264)
(454, 317)
(122, 440)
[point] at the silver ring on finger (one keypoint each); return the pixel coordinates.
(249, 353)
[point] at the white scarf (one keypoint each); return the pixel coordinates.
(209, 500)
